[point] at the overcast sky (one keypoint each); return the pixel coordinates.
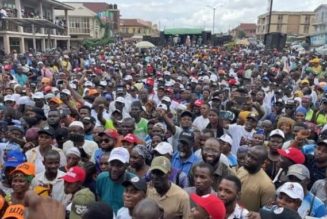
(191, 13)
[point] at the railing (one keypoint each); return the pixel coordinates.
(8, 26)
(73, 30)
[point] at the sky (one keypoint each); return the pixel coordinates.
(191, 13)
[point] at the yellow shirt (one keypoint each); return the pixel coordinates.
(257, 189)
(175, 202)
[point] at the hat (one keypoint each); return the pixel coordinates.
(66, 91)
(137, 182)
(322, 141)
(211, 204)
(120, 100)
(38, 95)
(227, 115)
(74, 151)
(9, 98)
(120, 154)
(290, 102)
(252, 116)
(277, 132)
(131, 138)
(14, 211)
(299, 170)
(149, 81)
(77, 123)
(26, 168)
(166, 98)
(162, 106)
(111, 133)
(293, 154)
(164, 148)
(198, 102)
(187, 137)
(13, 158)
(56, 100)
(186, 113)
(47, 130)
(88, 84)
(292, 189)
(91, 92)
(227, 139)
(80, 203)
(278, 213)
(128, 77)
(304, 81)
(75, 174)
(16, 128)
(281, 101)
(161, 163)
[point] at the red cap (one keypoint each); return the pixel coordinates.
(47, 88)
(232, 82)
(7, 67)
(198, 102)
(170, 90)
(131, 138)
(75, 174)
(211, 204)
(111, 133)
(150, 81)
(293, 154)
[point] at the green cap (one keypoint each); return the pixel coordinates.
(80, 201)
(161, 163)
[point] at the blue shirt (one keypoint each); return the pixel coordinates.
(111, 192)
(318, 207)
(184, 166)
(232, 159)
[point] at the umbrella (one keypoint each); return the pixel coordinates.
(144, 45)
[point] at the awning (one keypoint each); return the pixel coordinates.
(60, 5)
(28, 22)
(182, 31)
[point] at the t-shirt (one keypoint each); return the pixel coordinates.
(141, 128)
(319, 189)
(88, 146)
(123, 213)
(318, 208)
(186, 165)
(111, 192)
(200, 123)
(238, 132)
(257, 189)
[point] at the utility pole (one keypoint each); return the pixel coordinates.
(213, 20)
(269, 18)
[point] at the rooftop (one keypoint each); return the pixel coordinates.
(135, 23)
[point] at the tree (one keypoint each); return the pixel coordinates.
(241, 34)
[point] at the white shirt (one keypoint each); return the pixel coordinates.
(123, 213)
(88, 146)
(200, 123)
(238, 212)
(237, 132)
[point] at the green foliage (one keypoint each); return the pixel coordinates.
(241, 34)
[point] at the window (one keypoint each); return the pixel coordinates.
(306, 29)
(133, 30)
(279, 27)
(280, 18)
(139, 30)
(307, 19)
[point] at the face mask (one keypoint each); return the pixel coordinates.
(76, 137)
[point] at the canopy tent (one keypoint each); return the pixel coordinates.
(144, 45)
(183, 31)
(243, 42)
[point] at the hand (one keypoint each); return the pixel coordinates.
(161, 112)
(43, 207)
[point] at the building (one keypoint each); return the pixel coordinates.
(84, 21)
(287, 22)
(320, 24)
(137, 27)
(249, 30)
(31, 24)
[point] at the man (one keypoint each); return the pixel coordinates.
(311, 204)
(49, 181)
(202, 179)
(255, 195)
(211, 154)
(170, 197)
(202, 121)
(89, 123)
(54, 119)
(135, 191)
(184, 159)
(76, 137)
(290, 195)
(141, 124)
(208, 206)
(98, 210)
(226, 143)
(109, 186)
(45, 140)
(147, 208)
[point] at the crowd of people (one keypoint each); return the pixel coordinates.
(169, 132)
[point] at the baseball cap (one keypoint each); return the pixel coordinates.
(161, 163)
(111, 133)
(137, 182)
(164, 148)
(292, 189)
(26, 168)
(187, 137)
(162, 106)
(227, 115)
(186, 113)
(80, 203)
(9, 98)
(278, 213)
(75, 174)
(13, 158)
(56, 100)
(120, 154)
(131, 138)
(166, 99)
(38, 95)
(198, 102)
(73, 151)
(66, 91)
(227, 139)
(293, 154)
(47, 130)
(211, 204)
(149, 81)
(14, 211)
(298, 170)
(252, 116)
(277, 132)
(77, 123)
(120, 100)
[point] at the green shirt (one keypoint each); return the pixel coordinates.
(141, 128)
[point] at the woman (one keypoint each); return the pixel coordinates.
(21, 180)
(286, 125)
(300, 114)
(215, 123)
(137, 160)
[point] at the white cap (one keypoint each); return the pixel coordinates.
(74, 151)
(49, 95)
(226, 138)
(166, 98)
(164, 148)
(40, 63)
(120, 154)
(167, 73)
(38, 95)
(66, 56)
(66, 91)
(162, 106)
(103, 83)
(88, 83)
(120, 99)
(25, 100)
(277, 132)
(77, 123)
(292, 189)
(128, 77)
(9, 98)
